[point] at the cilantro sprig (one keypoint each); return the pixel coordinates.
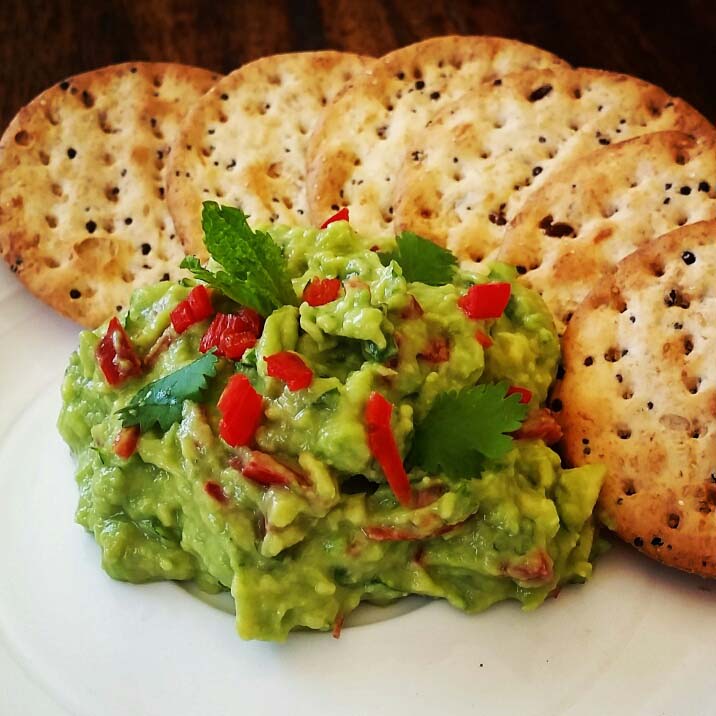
(464, 428)
(160, 402)
(253, 269)
(422, 260)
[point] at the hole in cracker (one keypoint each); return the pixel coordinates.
(657, 269)
(675, 298)
(51, 221)
(71, 152)
(688, 344)
(87, 99)
(56, 189)
(381, 131)
(628, 394)
(692, 383)
(629, 488)
(612, 355)
(274, 170)
(44, 157)
(588, 361)
(673, 521)
(112, 193)
(557, 229)
(75, 293)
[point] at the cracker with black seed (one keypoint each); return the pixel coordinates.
(83, 217)
(357, 149)
(639, 395)
(572, 231)
(479, 159)
(244, 143)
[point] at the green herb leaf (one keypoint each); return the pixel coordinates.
(160, 402)
(371, 352)
(253, 269)
(424, 261)
(462, 429)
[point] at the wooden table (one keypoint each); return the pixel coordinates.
(41, 41)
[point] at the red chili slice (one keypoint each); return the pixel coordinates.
(341, 215)
(264, 469)
(487, 300)
(125, 444)
(215, 491)
(289, 368)
(337, 626)
(194, 308)
(115, 355)
(524, 393)
(383, 447)
(320, 291)
(242, 409)
(437, 351)
(483, 339)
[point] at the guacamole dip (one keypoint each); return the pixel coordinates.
(371, 426)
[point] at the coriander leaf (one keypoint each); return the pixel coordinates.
(253, 269)
(160, 402)
(424, 261)
(371, 352)
(462, 429)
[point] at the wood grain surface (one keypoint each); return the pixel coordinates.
(41, 41)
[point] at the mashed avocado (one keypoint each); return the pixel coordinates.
(306, 554)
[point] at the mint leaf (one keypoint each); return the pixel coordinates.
(253, 270)
(423, 261)
(463, 429)
(160, 402)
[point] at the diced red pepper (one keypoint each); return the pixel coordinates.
(215, 491)
(483, 339)
(125, 444)
(341, 215)
(412, 310)
(200, 302)
(383, 447)
(524, 393)
(234, 345)
(437, 351)
(265, 469)
(115, 355)
(487, 300)
(320, 291)
(182, 317)
(230, 332)
(241, 408)
(194, 308)
(540, 425)
(289, 368)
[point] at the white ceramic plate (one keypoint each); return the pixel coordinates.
(637, 640)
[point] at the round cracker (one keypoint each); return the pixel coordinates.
(481, 157)
(83, 220)
(244, 143)
(598, 208)
(358, 147)
(639, 395)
